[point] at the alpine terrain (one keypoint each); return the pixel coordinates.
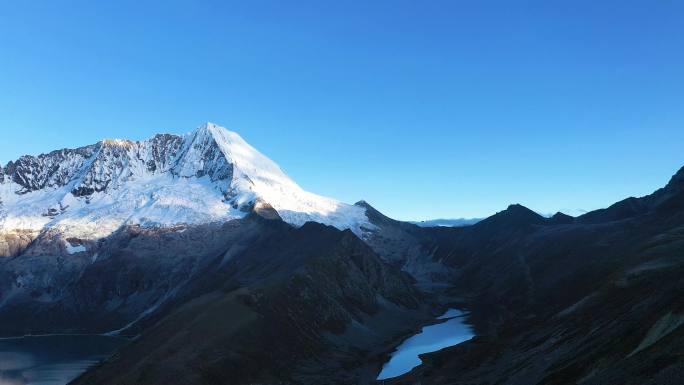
(222, 270)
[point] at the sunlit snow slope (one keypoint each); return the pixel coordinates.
(208, 175)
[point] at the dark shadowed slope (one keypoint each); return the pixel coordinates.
(310, 305)
(598, 300)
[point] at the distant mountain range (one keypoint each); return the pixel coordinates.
(227, 272)
(447, 222)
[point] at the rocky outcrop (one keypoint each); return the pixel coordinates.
(112, 162)
(13, 243)
(55, 169)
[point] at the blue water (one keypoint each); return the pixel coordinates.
(431, 338)
(51, 360)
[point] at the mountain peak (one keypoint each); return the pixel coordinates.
(561, 218)
(208, 175)
(213, 130)
(248, 162)
(676, 183)
(515, 215)
(208, 125)
(518, 210)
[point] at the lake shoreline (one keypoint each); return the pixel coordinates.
(403, 357)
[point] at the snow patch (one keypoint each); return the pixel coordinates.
(73, 249)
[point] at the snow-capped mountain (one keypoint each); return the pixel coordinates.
(206, 176)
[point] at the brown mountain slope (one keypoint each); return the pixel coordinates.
(310, 305)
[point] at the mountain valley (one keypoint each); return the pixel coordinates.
(224, 271)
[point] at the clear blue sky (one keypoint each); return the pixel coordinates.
(423, 108)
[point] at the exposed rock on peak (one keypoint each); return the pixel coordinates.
(265, 211)
(372, 213)
(55, 169)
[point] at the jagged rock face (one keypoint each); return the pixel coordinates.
(56, 169)
(97, 166)
(121, 161)
(162, 150)
(202, 156)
